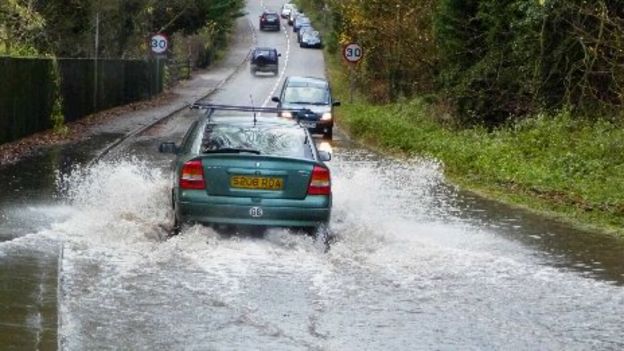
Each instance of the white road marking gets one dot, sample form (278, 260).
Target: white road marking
(284, 66)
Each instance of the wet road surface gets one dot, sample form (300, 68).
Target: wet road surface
(417, 263)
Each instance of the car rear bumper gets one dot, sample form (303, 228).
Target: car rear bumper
(264, 68)
(315, 45)
(275, 27)
(311, 212)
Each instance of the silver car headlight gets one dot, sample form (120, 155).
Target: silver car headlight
(286, 114)
(327, 116)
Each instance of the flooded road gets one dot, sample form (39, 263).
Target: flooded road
(405, 273)
(417, 264)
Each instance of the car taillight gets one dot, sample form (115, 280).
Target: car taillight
(192, 175)
(320, 184)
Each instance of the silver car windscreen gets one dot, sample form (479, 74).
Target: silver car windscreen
(311, 35)
(306, 95)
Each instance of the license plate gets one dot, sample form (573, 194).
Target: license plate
(257, 183)
(308, 124)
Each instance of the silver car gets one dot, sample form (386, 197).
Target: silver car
(312, 95)
(311, 39)
(293, 14)
(301, 21)
(287, 9)
(304, 28)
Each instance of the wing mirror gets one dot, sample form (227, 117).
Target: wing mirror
(275, 99)
(168, 148)
(324, 155)
(336, 103)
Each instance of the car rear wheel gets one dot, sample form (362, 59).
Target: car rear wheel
(322, 237)
(320, 233)
(177, 227)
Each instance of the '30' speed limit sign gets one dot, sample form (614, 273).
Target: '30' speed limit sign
(353, 52)
(159, 43)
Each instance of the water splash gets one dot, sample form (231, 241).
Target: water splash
(402, 259)
(123, 202)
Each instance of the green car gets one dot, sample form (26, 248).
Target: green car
(235, 167)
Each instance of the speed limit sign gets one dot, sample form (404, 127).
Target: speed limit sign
(159, 43)
(352, 52)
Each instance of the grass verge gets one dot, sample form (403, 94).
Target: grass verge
(567, 168)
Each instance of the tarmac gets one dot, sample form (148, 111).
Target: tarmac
(28, 281)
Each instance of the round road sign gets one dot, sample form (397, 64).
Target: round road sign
(352, 52)
(159, 43)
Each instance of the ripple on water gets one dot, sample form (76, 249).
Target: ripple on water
(404, 271)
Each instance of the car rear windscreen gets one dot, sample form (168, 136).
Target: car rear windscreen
(271, 140)
(264, 53)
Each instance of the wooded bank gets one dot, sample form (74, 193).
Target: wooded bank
(486, 62)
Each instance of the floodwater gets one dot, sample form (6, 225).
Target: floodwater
(417, 264)
(30, 203)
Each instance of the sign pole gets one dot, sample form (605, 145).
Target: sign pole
(351, 82)
(157, 74)
(159, 43)
(95, 61)
(352, 53)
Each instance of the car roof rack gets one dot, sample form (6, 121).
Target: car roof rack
(241, 108)
(245, 108)
(211, 108)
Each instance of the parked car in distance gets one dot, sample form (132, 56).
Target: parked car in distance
(264, 59)
(311, 39)
(236, 168)
(287, 8)
(309, 93)
(304, 28)
(293, 14)
(270, 20)
(301, 21)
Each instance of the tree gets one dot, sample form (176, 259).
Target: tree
(509, 58)
(20, 24)
(124, 25)
(397, 37)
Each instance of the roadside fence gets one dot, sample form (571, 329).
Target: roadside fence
(30, 87)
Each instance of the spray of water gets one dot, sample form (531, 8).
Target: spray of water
(120, 202)
(399, 253)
